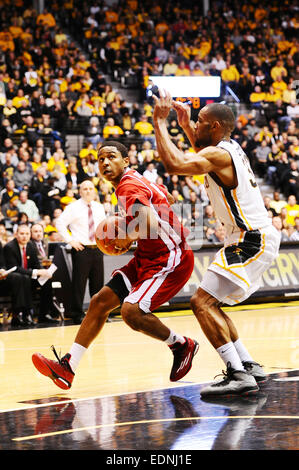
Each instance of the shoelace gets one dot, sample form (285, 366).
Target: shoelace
(226, 374)
(56, 355)
(62, 361)
(248, 365)
(227, 377)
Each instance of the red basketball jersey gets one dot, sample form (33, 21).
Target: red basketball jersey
(134, 189)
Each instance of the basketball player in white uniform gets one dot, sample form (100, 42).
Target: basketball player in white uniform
(251, 244)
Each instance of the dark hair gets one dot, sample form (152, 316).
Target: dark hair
(120, 147)
(223, 114)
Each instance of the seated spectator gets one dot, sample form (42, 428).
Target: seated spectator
(67, 198)
(257, 97)
(5, 236)
(267, 203)
(277, 203)
(22, 176)
(291, 180)
(93, 132)
(146, 151)
(295, 235)
(218, 236)
(88, 151)
(253, 129)
(17, 286)
(22, 253)
(59, 177)
(182, 70)
(28, 206)
(145, 129)
(74, 177)
(292, 210)
(209, 219)
(196, 186)
(277, 223)
(218, 62)
(293, 110)
(279, 85)
(272, 164)
(170, 67)
(175, 184)
(8, 192)
(11, 212)
(58, 158)
(289, 95)
(111, 130)
(272, 95)
(22, 219)
(262, 153)
(230, 76)
(278, 70)
(151, 172)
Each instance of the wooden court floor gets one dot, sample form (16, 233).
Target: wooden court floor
(122, 399)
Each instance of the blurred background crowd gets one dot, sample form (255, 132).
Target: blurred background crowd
(78, 72)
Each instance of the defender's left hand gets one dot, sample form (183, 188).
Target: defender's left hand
(163, 105)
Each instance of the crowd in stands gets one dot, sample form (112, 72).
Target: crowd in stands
(56, 70)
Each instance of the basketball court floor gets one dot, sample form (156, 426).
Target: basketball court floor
(122, 399)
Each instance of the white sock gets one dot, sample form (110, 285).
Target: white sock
(174, 338)
(242, 351)
(228, 353)
(76, 353)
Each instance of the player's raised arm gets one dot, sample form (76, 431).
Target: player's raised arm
(210, 158)
(183, 111)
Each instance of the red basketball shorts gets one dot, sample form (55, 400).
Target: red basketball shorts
(151, 283)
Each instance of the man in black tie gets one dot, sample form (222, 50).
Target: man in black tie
(81, 218)
(22, 253)
(16, 285)
(37, 236)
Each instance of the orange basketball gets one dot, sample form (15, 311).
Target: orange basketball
(108, 231)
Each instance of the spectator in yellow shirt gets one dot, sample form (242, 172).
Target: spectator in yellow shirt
(230, 74)
(257, 96)
(18, 100)
(289, 94)
(145, 129)
(112, 130)
(272, 95)
(292, 210)
(278, 70)
(170, 67)
(57, 159)
(88, 150)
(46, 18)
(279, 85)
(182, 70)
(15, 29)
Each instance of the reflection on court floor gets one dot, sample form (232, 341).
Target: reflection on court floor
(174, 419)
(122, 399)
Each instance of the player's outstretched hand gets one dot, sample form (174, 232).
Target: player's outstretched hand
(183, 111)
(163, 105)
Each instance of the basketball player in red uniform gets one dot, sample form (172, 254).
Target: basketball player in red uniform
(161, 266)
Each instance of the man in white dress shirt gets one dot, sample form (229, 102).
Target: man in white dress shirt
(81, 218)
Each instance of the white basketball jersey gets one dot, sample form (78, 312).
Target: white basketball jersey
(240, 208)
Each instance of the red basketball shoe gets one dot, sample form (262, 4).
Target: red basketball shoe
(59, 371)
(183, 356)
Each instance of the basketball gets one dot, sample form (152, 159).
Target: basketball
(108, 231)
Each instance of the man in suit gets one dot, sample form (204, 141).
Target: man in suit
(16, 285)
(41, 244)
(21, 252)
